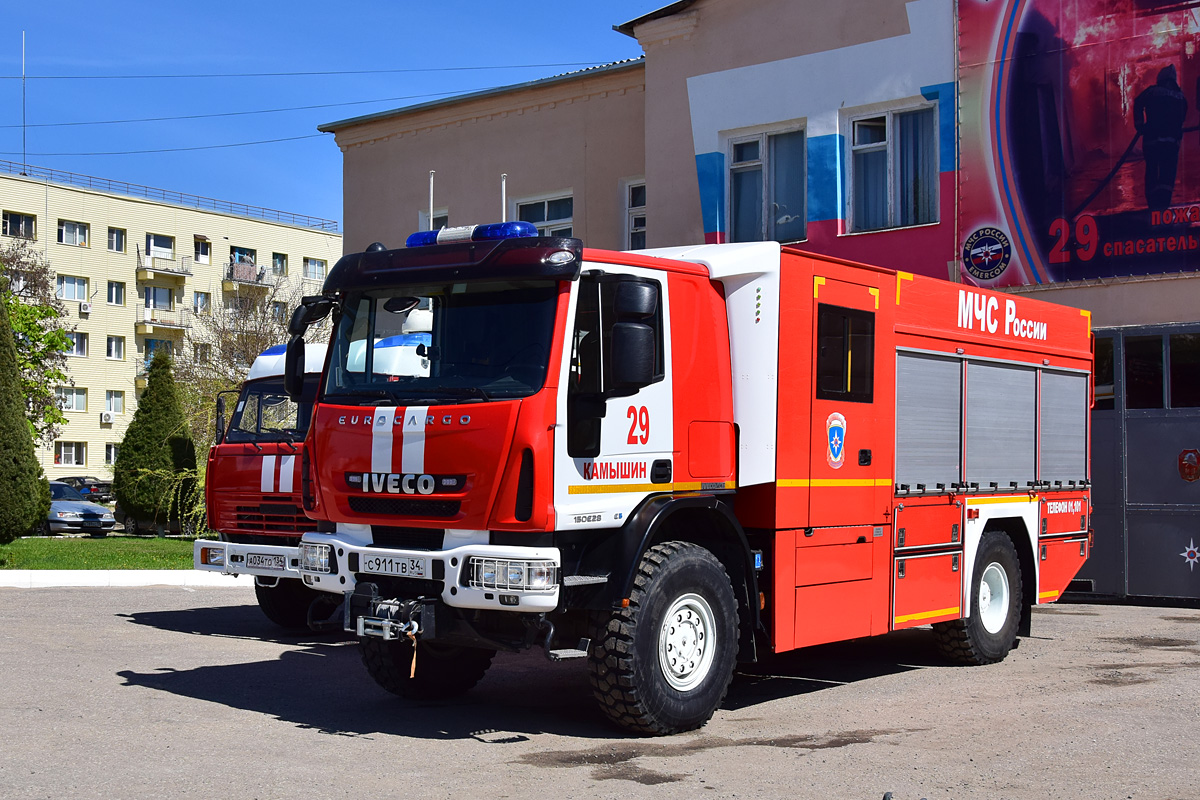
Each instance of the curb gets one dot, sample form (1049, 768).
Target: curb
(47, 578)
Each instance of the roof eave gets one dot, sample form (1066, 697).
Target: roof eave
(666, 11)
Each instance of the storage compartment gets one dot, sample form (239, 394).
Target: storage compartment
(1058, 562)
(833, 563)
(1065, 513)
(833, 612)
(926, 526)
(927, 589)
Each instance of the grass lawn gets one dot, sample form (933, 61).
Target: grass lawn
(54, 552)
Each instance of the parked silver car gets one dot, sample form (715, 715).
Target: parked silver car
(70, 513)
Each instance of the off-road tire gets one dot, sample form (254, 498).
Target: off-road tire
(443, 671)
(968, 641)
(629, 657)
(286, 603)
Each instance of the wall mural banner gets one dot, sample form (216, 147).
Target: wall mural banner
(1080, 139)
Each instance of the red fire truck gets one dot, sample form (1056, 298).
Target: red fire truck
(671, 461)
(252, 490)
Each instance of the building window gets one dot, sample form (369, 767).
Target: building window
(202, 353)
(441, 219)
(78, 345)
(110, 453)
(159, 246)
(72, 288)
(552, 216)
(114, 401)
(75, 233)
(72, 454)
(314, 269)
(116, 293)
(279, 312)
(116, 240)
(894, 169)
(279, 264)
(23, 225)
(154, 345)
(71, 398)
(201, 302)
(768, 176)
(158, 297)
(116, 348)
(203, 249)
(635, 212)
(242, 255)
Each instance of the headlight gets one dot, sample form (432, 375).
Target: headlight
(515, 573)
(67, 514)
(107, 517)
(213, 556)
(314, 557)
(512, 574)
(541, 575)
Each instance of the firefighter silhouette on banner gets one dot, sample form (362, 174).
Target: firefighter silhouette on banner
(1158, 114)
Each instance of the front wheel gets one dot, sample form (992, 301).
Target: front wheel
(443, 671)
(663, 664)
(987, 635)
(286, 603)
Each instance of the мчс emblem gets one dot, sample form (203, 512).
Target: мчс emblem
(986, 253)
(1189, 465)
(835, 434)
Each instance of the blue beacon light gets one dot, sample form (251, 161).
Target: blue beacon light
(472, 233)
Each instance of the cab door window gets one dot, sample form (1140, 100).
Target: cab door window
(845, 354)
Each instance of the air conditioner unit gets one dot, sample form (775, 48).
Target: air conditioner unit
(106, 417)
(85, 307)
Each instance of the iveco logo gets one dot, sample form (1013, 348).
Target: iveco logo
(430, 420)
(404, 483)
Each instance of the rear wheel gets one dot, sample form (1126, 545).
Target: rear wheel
(443, 671)
(663, 664)
(286, 603)
(987, 635)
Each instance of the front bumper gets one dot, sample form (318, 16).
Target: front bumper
(452, 568)
(228, 558)
(81, 526)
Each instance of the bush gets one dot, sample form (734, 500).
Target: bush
(24, 491)
(154, 477)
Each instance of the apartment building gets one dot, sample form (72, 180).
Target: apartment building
(135, 266)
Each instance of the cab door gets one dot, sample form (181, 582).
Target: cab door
(614, 434)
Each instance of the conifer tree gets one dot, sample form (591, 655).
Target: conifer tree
(155, 468)
(24, 491)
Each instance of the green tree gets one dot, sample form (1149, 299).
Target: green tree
(154, 477)
(25, 491)
(28, 289)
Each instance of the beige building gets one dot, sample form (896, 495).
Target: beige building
(135, 265)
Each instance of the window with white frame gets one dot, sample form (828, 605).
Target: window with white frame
(110, 453)
(155, 345)
(441, 219)
(314, 269)
(72, 398)
(893, 169)
(160, 246)
(552, 216)
(116, 293)
(159, 297)
(768, 187)
(116, 348)
(279, 264)
(114, 401)
(72, 288)
(635, 216)
(116, 240)
(78, 344)
(72, 454)
(22, 225)
(201, 302)
(75, 233)
(202, 250)
(242, 255)
(279, 312)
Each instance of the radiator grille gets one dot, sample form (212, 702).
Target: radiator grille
(406, 507)
(406, 538)
(272, 516)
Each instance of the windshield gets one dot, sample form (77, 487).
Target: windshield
(60, 491)
(460, 342)
(265, 413)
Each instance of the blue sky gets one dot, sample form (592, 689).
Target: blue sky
(71, 38)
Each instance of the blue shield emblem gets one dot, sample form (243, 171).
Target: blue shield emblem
(835, 432)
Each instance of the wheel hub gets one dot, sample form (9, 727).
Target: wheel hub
(993, 597)
(685, 643)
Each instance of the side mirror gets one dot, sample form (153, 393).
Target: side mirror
(311, 309)
(220, 432)
(635, 300)
(293, 368)
(633, 356)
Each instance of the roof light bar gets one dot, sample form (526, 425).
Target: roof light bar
(472, 233)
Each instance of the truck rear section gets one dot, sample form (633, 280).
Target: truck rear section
(663, 463)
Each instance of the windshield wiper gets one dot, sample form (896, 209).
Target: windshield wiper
(452, 391)
(359, 397)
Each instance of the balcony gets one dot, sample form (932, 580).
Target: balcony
(244, 275)
(155, 266)
(162, 320)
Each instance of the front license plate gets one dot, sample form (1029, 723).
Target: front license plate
(387, 565)
(264, 561)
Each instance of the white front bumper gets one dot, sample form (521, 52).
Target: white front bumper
(266, 560)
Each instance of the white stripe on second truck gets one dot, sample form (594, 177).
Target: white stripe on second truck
(284, 481)
(411, 421)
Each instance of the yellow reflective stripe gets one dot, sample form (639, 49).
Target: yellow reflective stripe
(901, 276)
(624, 488)
(988, 501)
(1048, 595)
(1087, 314)
(874, 293)
(829, 483)
(941, 612)
(818, 282)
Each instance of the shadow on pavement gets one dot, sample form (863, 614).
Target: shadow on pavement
(245, 621)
